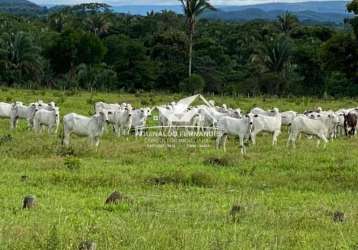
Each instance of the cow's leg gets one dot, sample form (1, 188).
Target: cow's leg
(276, 133)
(66, 138)
(253, 137)
(96, 141)
(14, 122)
(292, 139)
(218, 141)
(323, 138)
(224, 142)
(242, 145)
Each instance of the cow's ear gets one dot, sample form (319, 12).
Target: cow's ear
(329, 116)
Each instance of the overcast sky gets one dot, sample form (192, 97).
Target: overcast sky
(158, 2)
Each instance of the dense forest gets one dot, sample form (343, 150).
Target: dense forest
(88, 47)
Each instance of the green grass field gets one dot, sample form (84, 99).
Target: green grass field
(287, 197)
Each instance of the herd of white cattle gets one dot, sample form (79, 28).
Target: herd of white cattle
(226, 121)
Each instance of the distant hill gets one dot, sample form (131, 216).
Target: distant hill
(312, 12)
(256, 13)
(22, 7)
(309, 12)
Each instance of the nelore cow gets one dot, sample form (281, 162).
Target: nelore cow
(20, 111)
(319, 127)
(49, 118)
(233, 126)
(264, 123)
(139, 119)
(92, 127)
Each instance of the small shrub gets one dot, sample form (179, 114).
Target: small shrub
(144, 102)
(176, 178)
(202, 179)
(114, 198)
(5, 139)
(8, 99)
(338, 216)
(87, 245)
(72, 163)
(66, 151)
(217, 161)
(194, 84)
(235, 210)
(29, 202)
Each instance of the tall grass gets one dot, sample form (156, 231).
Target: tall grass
(180, 198)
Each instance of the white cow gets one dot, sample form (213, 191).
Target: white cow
(198, 122)
(92, 127)
(99, 106)
(5, 109)
(48, 118)
(139, 119)
(209, 120)
(18, 110)
(233, 126)
(122, 121)
(47, 106)
(287, 117)
(263, 123)
(315, 127)
(260, 111)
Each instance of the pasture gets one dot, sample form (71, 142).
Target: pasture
(175, 198)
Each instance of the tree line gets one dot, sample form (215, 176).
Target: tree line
(88, 47)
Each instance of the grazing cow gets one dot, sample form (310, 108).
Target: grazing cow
(48, 118)
(233, 126)
(350, 123)
(5, 109)
(263, 123)
(316, 127)
(18, 110)
(139, 119)
(92, 127)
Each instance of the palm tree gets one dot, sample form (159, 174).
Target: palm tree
(20, 56)
(57, 21)
(287, 21)
(273, 56)
(97, 24)
(192, 9)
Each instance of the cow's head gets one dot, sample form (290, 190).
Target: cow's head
(104, 115)
(249, 117)
(275, 111)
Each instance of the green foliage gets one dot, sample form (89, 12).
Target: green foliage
(87, 47)
(192, 85)
(72, 163)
